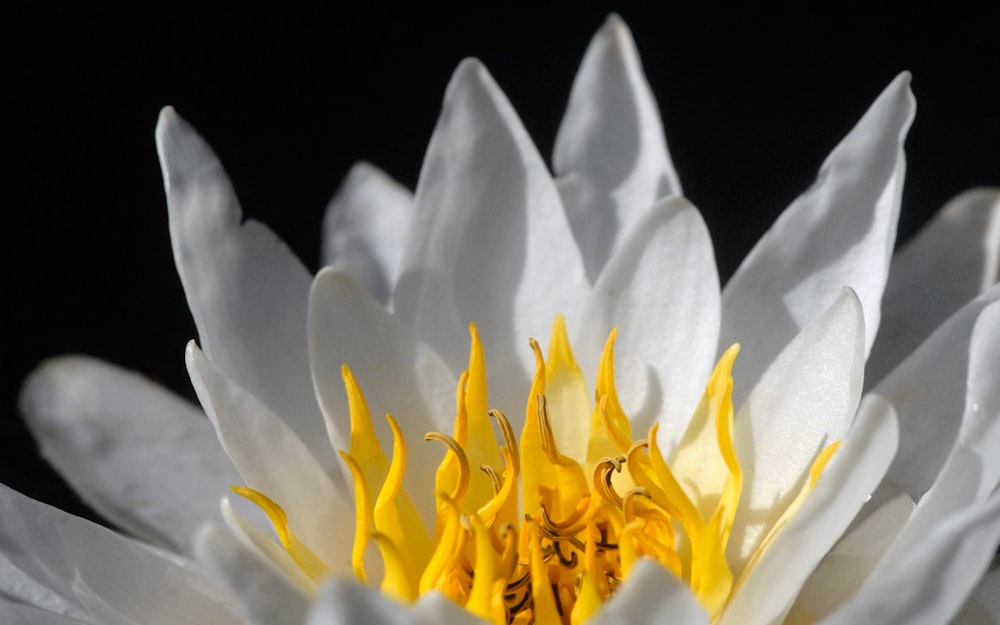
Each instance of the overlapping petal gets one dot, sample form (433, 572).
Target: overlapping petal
(247, 292)
(838, 233)
(490, 238)
(250, 431)
(661, 372)
(954, 259)
(263, 595)
(490, 241)
(144, 458)
(804, 401)
(366, 227)
(98, 575)
(610, 150)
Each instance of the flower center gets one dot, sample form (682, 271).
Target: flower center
(592, 499)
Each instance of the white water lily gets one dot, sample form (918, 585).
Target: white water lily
(764, 493)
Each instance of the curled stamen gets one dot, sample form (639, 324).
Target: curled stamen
(513, 610)
(494, 477)
(463, 462)
(603, 472)
(509, 440)
(570, 523)
(569, 563)
(548, 438)
(525, 578)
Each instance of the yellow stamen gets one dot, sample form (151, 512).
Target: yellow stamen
(575, 539)
(362, 520)
(308, 561)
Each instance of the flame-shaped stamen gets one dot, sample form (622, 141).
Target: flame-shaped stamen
(308, 561)
(576, 539)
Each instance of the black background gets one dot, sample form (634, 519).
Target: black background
(752, 102)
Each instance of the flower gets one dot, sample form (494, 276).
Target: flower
(487, 241)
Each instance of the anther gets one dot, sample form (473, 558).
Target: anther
(509, 440)
(603, 472)
(463, 462)
(494, 477)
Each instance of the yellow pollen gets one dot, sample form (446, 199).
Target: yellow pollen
(533, 540)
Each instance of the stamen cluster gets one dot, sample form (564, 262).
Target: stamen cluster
(583, 519)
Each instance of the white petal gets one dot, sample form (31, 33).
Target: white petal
(273, 460)
(929, 583)
(611, 141)
(805, 401)
(21, 589)
(110, 577)
(650, 596)
(845, 568)
(983, 608)
(663, 278)
(349, 603)
(955, 258)
(928, 391)
(434, 608)
(770, 587)
(141, 456)
(972, 469)
(247, 292)
(397, 374)
(491, 244)
(21, 614)
(366, 227)
(264, 596)
(838, 233)
(265, 548)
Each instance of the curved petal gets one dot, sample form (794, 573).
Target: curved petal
(972, 469)
(838, 233)
(928, 584)
(108, 577)
(928, 391)
(983, 608)
(347, 603)
(768, 589)
(262, 594)
(366, 228)
(843, 571)
(805, 401)
(651, 595)
(141, 456)
(23, 614)
(611, 141)
(17, 588)
(954, 259)
(490, 241)
(246, 290)
(274, 461)
(397, 374)
(663, 278)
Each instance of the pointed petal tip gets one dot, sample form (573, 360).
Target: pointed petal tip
(470, 67)
(168, 123)
(191, 351)
(182, 151)
(900, 93)
(166, 113)
(471, 75)
(615, 29)
(38, 384)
